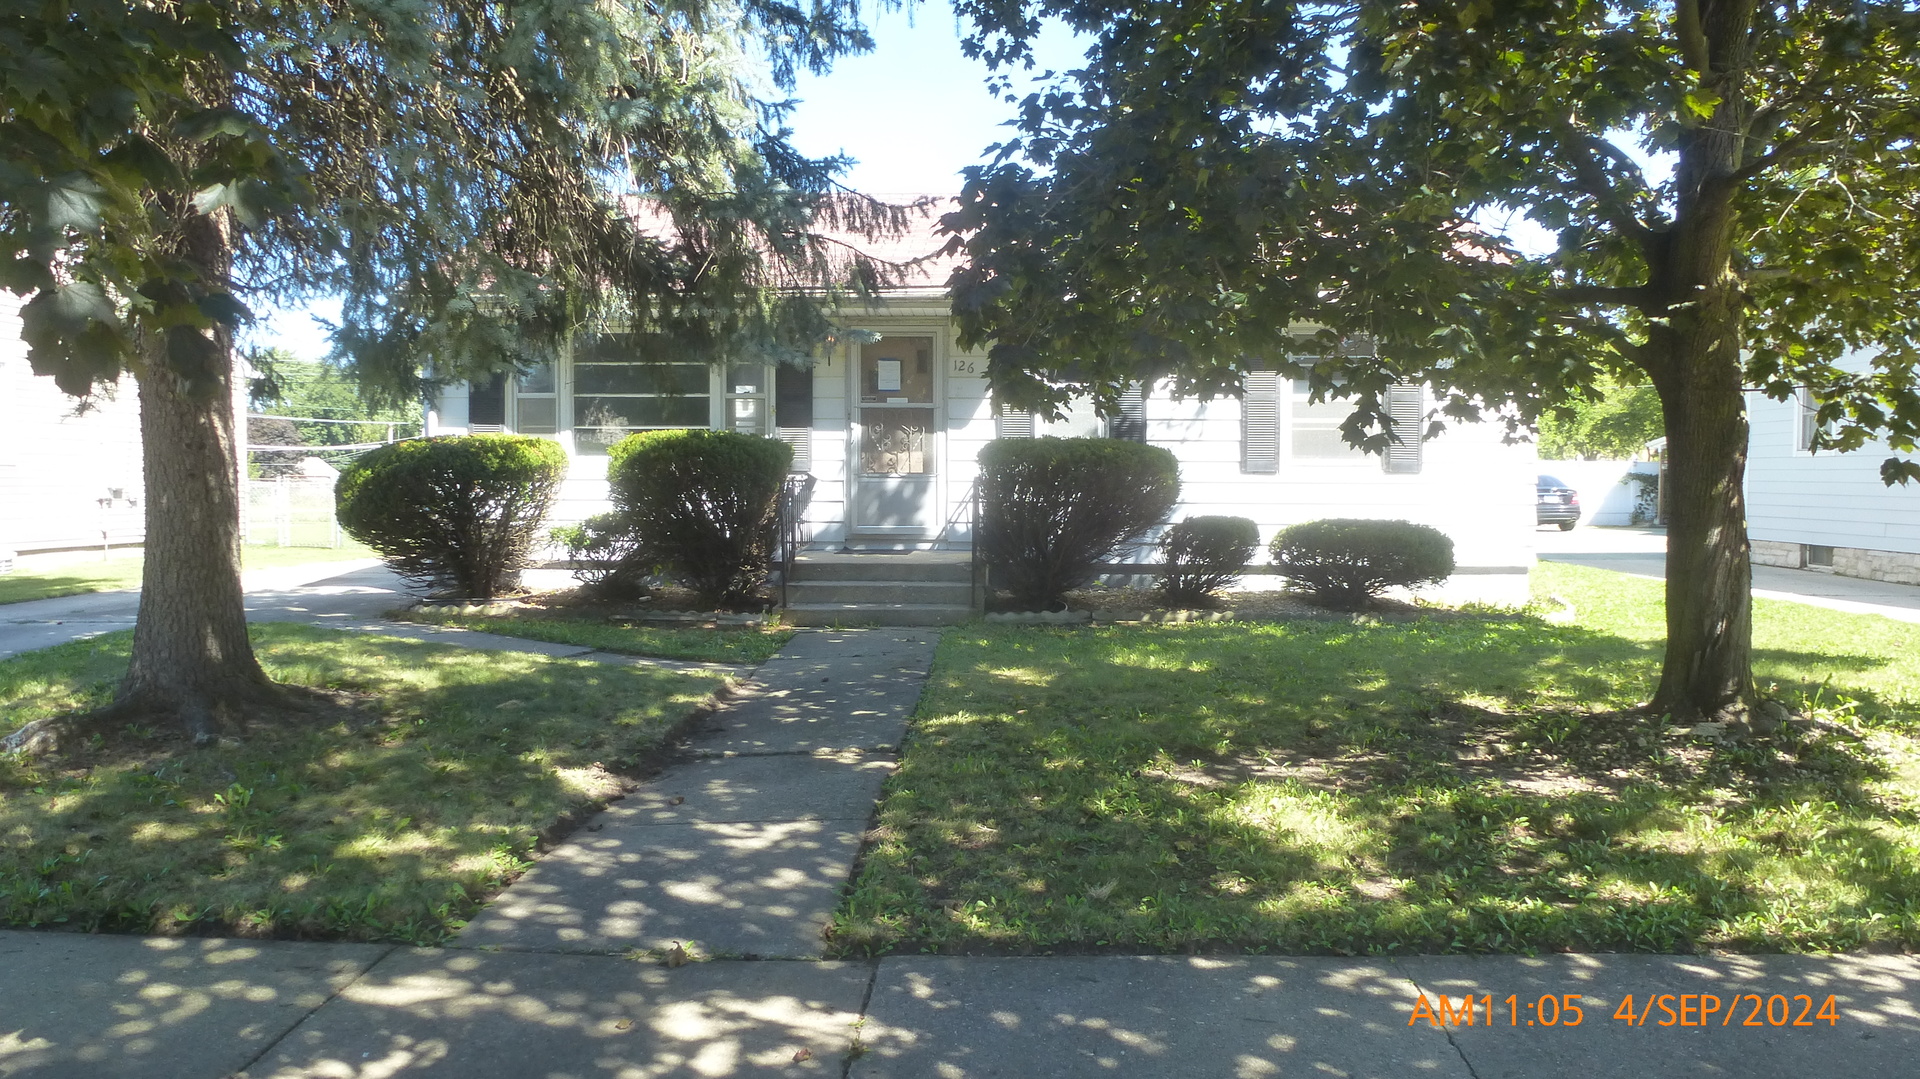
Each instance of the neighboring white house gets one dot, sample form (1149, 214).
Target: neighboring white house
(68, 478)
(1825, 509)
(890, 421)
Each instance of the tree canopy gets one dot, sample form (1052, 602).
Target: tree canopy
(475, 179)
(1222, 173)
(1615, 424)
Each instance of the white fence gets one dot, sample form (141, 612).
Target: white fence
(1606, 496)
(291, 511)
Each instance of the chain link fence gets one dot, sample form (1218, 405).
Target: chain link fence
(291, 511)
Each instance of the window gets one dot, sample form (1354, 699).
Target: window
(1807, 420)
(536, 407)
(747, 398)
(487, 406)
(625, 382)
(1315, 427)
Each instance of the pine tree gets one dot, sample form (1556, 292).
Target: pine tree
(475, 177)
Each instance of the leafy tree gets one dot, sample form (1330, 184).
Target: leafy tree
(474, 177)
(1616, 423)
(1221, 173)
(324, 391)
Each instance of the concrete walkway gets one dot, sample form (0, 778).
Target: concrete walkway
(1643, 552)
(742, 848)
(106, 1007)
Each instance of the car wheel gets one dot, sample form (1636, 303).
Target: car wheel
(1567, 526)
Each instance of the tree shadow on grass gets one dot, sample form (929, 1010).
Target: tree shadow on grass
(394, 829)
(1428, 787)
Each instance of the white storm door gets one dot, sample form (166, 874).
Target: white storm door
(895, 439)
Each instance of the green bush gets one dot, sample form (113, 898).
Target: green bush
(1053, 508)
(607, 555)
(1202, 555)
(704, 504)
(1344, 563)
(457, 513)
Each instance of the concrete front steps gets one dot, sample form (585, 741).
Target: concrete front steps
(881, 588)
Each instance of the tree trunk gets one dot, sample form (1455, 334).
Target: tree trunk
(1708, 670)
(1693, 353)
(192, 661)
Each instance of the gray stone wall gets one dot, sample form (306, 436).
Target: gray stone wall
(1775, 553)
(1897, 567)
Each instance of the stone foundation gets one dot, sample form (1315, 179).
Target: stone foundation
(1895, 567)
(1898, 567)
(1775, 553)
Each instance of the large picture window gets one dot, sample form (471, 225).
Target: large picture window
(1315, 434)
(625, 382)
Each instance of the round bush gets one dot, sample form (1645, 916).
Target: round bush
(1053, 508)
(606, 556)
(1203, 555)
(459, 513)
(704, 503)
(1344, 563)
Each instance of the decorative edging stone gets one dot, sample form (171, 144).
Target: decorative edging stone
(1039, 617)
(502, 607)
(1115, 618)
(1130, 618)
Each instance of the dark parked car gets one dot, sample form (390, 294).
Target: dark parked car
(1555, 503)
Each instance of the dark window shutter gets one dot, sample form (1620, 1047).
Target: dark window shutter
(487, 405)
(1131, 423)
(1260, 423)
(1013, 424)
(1407, 407)
(793, 412)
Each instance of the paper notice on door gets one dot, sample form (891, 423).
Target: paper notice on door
(887, 372)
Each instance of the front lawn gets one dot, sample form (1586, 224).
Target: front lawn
(1359, 787)
(729, 644)
(394, 829)
(124, 568)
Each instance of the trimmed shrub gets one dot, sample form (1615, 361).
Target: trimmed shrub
(704, 503)
(1344, 563)
(1053, 508)
(606, 555)
(460, 513)
(1204, 555)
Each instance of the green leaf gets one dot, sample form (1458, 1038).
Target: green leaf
(1701, 102)
(75, 201)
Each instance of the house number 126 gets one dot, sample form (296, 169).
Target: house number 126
(965, 367)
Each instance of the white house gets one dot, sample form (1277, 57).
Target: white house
(1824, 509)
(69, 477)
(890, 420)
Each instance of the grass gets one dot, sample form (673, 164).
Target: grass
(391, 830)
(742, 644)
(1465, 784)
(123, 571)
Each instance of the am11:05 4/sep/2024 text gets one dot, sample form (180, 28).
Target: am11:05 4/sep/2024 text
(1654, 1009)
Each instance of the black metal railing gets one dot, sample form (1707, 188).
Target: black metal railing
(977, 567)
(794, 496)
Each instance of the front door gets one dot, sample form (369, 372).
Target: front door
(895, 443)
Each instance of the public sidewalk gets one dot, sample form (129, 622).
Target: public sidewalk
(1643, 552)
(105, 1007)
